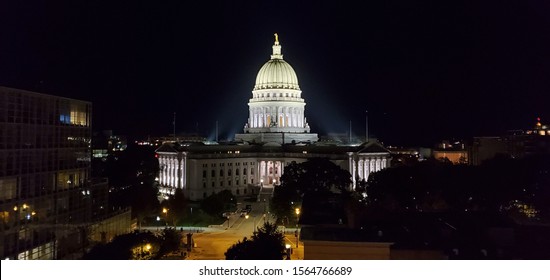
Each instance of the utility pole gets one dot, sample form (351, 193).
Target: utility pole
(174, 127)
(350, 131)
(366, 126)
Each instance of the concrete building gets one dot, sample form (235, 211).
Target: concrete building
(47, 196)
(515, 143)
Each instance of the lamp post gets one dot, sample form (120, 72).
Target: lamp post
(158, 220)
(253, 223)
(297, 210)
(288, 250)
(165, 211)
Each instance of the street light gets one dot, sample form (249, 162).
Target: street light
(288, 250)
(253, 223)
(297, 210)
(165, 211)
(158, 220)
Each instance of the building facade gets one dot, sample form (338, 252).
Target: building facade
(276, 109)
(515, 144)
(276, 134)
(47, 196)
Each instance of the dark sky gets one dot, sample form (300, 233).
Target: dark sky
(425, 70)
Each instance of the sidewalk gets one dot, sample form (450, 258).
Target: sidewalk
(297, 248)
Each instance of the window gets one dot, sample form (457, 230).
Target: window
(204, 173)
(244, 191)
(213, 173)
(221, 183)
(229, 172)
(244, 181)
(244, 171)
(251, 171)
(229, 182)
(237, 191)
(237, 182)
(252, 181)
(204, 184)
(221, 172)
(203, 195)
(212, 184)
(237, 172)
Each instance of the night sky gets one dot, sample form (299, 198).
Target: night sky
(425, 70)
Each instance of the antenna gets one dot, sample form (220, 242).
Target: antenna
(366, 126)
(350, 131)
(216, 131)
(174, 126)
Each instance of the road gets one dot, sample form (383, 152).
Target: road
(213, 243)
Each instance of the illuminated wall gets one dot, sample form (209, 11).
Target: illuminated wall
(45, 158)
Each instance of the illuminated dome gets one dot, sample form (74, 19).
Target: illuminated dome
(276, 73)
(276, 109)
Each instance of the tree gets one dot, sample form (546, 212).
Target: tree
(281, 204)
(171, 241)
(316, 175)
(137, 245)
(177, 205)
(123, 247)
(267, 243)
(215, 204)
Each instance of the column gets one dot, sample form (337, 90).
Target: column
(258, 172)
(372, 169)
(351, 164)
(266, 179)
(184, 172)
(174, 169)
(360, 169)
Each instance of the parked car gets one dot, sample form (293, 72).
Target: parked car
(244, 212)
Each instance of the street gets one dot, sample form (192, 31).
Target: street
(213, 243)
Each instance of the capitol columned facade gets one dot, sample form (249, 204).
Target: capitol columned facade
(276, 134)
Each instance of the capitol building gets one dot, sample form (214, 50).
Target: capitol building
(276, 134)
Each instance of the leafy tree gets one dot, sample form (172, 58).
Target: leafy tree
(133, 246)
(171, 241)
(215, 204)
(434, 186)
(121, 247)
(316, 175)
(267, 243)
(280, 204)
(177, 205)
